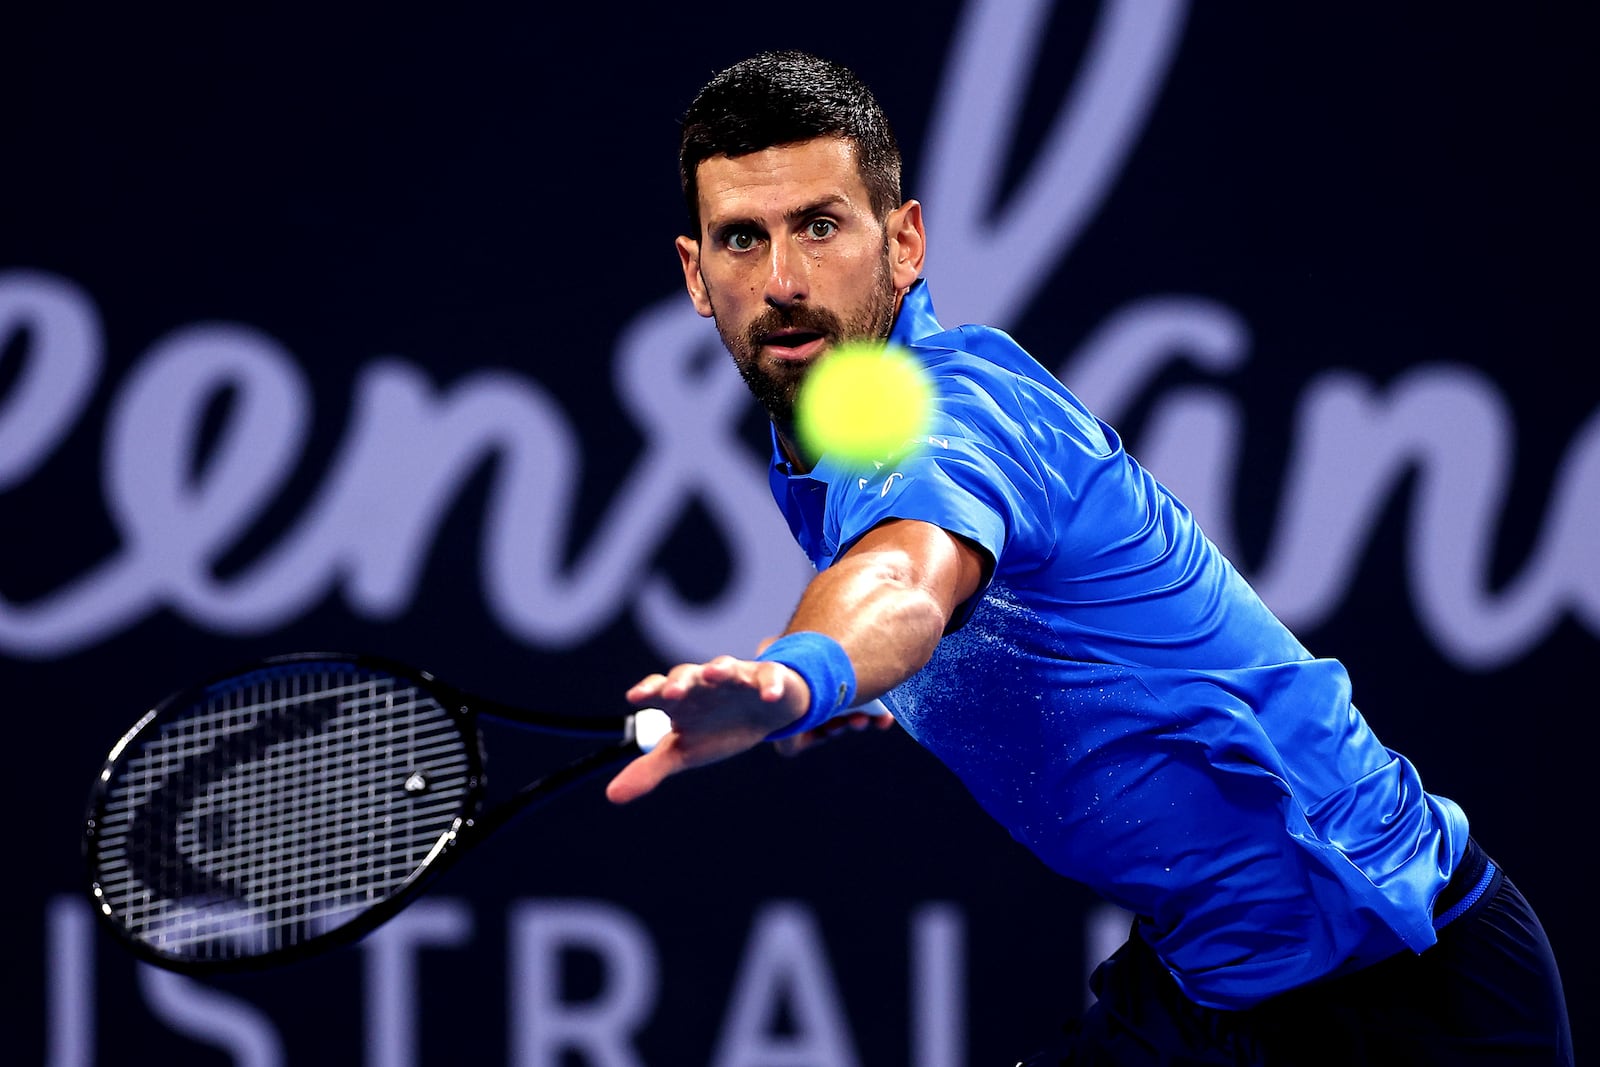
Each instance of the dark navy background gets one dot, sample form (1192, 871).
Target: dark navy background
(1372, 188)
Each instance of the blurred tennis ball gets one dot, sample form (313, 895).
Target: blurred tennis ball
(863, 402)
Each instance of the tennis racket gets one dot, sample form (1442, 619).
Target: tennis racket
(299, 803)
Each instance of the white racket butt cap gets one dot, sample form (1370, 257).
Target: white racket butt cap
(650, 725)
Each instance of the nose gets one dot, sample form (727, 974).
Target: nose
(786, 281)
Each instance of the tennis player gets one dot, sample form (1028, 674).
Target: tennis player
(1041, 614)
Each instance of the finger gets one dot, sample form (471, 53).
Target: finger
(722, 669)
(680, 680)
(642, 775)
(772, 680)
(645, 689)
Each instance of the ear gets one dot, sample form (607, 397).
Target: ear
(689, 254)
(908, 243)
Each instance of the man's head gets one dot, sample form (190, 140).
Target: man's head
(779, 98)
(800, 240)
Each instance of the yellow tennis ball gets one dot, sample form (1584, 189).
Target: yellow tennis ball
(863, 402)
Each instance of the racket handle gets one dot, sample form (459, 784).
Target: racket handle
(650, 725)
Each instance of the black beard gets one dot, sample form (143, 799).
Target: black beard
(774, 390)
(775, 387)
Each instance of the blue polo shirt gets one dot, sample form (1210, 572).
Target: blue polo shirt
(1119, 698)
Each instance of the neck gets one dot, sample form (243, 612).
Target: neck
(791, 449)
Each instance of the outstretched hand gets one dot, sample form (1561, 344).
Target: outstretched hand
(718, 709)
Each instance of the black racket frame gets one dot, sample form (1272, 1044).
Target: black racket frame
(475, 823)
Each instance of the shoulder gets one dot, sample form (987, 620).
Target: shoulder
(994, 391)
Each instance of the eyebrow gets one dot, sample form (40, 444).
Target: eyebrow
(817, 206)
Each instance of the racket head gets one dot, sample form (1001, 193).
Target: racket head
(280, 810)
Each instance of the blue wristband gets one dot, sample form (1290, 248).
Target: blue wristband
(827, 671)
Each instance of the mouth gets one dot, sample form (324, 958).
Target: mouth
(793, 345)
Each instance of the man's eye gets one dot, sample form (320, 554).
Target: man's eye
(820, 228)
(739, 240)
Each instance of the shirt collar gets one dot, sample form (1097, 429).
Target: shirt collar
(916, 318)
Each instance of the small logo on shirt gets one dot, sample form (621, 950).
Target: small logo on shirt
(862, 483)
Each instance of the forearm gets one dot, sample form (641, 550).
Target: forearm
(886, 623)
(889, 599)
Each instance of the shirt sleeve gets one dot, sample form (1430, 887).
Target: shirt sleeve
(986, 495)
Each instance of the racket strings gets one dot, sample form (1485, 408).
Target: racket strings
(271, 811)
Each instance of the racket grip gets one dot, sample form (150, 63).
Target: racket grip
(650, 725)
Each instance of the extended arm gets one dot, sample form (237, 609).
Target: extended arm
(887, 602)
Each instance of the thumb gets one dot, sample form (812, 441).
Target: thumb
(642, 775)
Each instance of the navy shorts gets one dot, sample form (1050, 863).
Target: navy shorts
(1487, 992)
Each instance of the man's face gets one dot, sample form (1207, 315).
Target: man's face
(790, 260)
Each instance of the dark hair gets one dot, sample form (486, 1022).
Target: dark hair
(780, 98)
